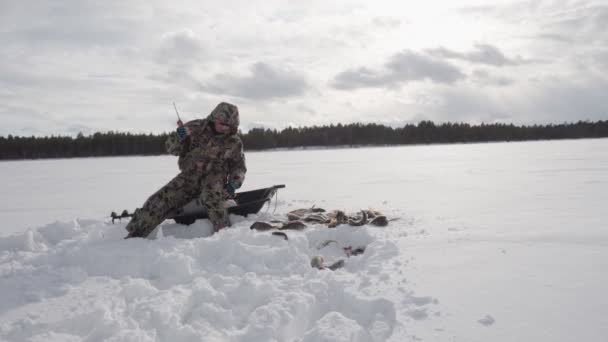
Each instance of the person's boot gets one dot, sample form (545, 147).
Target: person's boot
(141, 224)
(131, 227)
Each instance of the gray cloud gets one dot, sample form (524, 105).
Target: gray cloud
(401, 68)
(265, 82)
(482, 54)
(179, 55)
(68, 24)
(583, 22)
(24, 79)
(554, 37)
(572, 101)
(549, 101)
(465, 105)
(181, 46)
(485, 78)
(14, 112)
(108, 64)
(579, 22)
(22, 120)
(600, 58)
(67, 36)
(306, 109)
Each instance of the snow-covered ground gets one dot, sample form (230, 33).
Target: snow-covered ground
(493, 242)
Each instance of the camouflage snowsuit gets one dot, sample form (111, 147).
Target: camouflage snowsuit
(207, 161)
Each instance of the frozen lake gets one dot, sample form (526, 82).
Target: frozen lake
(548, 185)
(493, 242)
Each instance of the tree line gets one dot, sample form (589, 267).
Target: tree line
(357, 134)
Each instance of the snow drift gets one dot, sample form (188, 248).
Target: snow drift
(80, 280)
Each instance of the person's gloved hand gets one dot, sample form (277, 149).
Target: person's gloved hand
(230, 189)
(181, 133)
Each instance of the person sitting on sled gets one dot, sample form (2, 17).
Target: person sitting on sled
(212, 166)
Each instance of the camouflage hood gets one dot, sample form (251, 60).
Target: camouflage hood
(226, 113)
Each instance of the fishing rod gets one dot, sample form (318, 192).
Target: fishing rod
(179, 120)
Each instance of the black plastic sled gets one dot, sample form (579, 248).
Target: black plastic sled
(247, 202)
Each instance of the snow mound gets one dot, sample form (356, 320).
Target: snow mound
(80, 280)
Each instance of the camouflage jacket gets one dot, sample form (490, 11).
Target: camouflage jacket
(215, 152)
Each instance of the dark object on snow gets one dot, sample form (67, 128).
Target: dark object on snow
(359, 220)
(299, 214)
(122, 215)
(247, 202)
(326, 243)
(336, 265)
(281, 234)
(262, 226)
(294, 225)
(335, 218)
(379, 221)
(350, 251)
(318, 263)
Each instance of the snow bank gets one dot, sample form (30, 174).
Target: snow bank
(79, 280)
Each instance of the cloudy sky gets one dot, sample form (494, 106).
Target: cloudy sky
(79, 65)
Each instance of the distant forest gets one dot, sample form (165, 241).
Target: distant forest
(425, 132)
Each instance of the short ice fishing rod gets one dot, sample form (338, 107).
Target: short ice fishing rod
(182, 131)
(180, 123)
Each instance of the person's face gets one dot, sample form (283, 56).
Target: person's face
(221, 127)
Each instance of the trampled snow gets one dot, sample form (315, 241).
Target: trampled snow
(491, 242)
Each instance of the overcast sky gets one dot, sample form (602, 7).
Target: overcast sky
(70, 66)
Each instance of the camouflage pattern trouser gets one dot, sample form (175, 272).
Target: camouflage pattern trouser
(177, 193)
